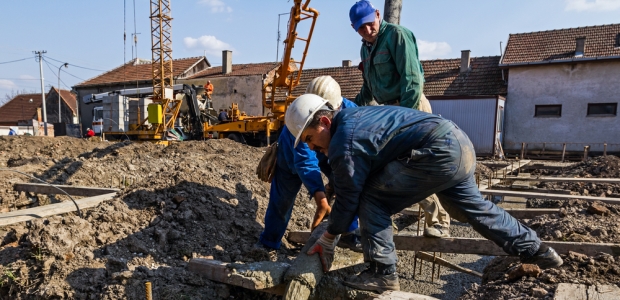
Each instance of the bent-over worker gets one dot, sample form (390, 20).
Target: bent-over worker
(393, 75)
(297, 164)
(387, 158)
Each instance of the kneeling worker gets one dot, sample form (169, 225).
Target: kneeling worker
(387, 158)
(297, 164)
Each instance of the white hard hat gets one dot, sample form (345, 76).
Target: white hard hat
(300, 113)
(326, 87)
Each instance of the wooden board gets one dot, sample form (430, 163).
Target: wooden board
(571, 291)
(52, 209)
(475, 246)
(519, 213)
(549, 196)
(41, 188)
(400, 295)
(565, 179)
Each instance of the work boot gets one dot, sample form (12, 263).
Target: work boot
(437, 231)
(373, 281)
(545, 258)
(351, 241)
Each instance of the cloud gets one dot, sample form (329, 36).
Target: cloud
(592, 5)
(217, 6)
(7, 84)
(211, 44)
(433, 50)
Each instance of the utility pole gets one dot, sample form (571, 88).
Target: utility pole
(391, 11)
(39, 54)
(66, 65)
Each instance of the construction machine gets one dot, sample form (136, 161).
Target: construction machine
(263, 129)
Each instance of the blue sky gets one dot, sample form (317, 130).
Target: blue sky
(89, 33)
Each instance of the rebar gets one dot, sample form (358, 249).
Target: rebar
(148, 291)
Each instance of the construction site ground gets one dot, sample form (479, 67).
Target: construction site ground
(202, 199)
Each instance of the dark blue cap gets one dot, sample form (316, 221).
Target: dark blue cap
(361, 12)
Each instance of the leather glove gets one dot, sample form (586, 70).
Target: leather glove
(324, 246)
(267, 166)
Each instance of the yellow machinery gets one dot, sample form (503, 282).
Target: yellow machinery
(283, 83)
(164, 110)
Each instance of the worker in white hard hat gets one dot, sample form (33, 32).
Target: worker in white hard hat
(387, 158)
(297, 165)
(393, 75)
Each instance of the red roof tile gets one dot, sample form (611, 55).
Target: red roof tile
(559, 45)
(20, 108)
(68, 98)
(140, 72)
(443, 77)
(237, 70)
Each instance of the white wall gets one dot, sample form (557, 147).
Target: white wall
(571, 85)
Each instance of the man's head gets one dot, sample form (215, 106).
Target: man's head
(208, 81)
(308, 119)
(327, 88)
(366, 20)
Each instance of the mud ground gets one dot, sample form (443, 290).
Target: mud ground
(191, 199)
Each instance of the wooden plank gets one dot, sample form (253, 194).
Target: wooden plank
(528, 188)
(565, 179)
(571, 291)
(400, 295)
(549, 196)
(52, 209)
(475, 246)
(41, 188)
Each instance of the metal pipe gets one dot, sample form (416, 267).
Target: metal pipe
(66, 65)
(563, 151)
(39, 54)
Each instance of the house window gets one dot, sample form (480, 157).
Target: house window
(602, 109)
(548, 110)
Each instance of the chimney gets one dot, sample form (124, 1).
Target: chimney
(226, 61)
(580, 47)
(346, 63)
(465, 60)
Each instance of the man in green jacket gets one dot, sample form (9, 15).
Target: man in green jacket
(393, 75)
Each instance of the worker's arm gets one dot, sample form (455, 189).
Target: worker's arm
(350, 173)
(365, 96)
(322, 209)
(307, 167)
(404, 51)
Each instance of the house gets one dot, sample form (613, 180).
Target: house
(236, 83)
(135, 74)
(21, 110)
(469, 91)
(564, 87)
(68, 106)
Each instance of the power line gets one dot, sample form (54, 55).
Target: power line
(48, 65)
(62, 62)
(8, 62)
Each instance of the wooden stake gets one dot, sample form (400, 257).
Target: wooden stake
(605, 149)
(563, 151)
(585, 152)
(522, 150)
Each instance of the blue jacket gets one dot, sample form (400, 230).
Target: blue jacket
(303, 161)
(364, 140)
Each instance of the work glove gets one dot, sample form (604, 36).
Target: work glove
(267, 166)
(324, 246)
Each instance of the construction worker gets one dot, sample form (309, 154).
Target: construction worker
(222, 116)
(208, 89)
(393, 75)
(387, 158)
(296, 165)
(89, 133)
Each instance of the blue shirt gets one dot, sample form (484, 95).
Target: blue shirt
(302, 161)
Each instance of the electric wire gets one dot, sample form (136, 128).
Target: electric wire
(62, 62)
(12, 61)
(53, 73)
(28, 175)
(64, 70)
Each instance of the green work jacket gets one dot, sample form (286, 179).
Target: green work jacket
(391, 68)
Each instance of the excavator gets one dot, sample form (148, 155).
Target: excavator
(277, 94)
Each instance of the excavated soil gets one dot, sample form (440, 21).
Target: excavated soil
(190, 199)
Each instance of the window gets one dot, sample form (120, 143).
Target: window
(602, 109)
(548, 111)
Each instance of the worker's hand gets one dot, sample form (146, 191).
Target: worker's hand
(322, 209)
(324, 246)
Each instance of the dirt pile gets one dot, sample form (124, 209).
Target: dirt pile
(578, 221)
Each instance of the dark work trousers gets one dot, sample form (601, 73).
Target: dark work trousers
(445, 166)
(284, 188)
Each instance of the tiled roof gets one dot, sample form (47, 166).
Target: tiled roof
(140, 72)
(443, 77)
(20, 108)
(559, 45)
(68, 98)
(237, 70)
